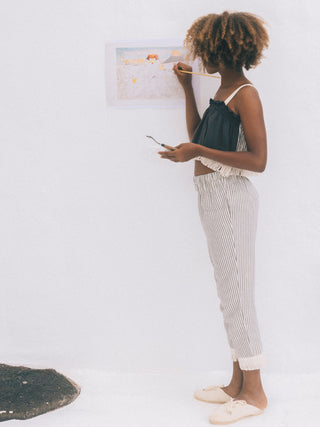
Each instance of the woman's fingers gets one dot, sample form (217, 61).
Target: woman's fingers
(183, 66)
(183, 78)
(164, 154)
(167, 155)
(168, 147)
(177, 68)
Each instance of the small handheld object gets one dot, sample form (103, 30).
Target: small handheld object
(198, 74)
(162, 145)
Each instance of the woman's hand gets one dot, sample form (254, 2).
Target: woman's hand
(184, 78)
(182, 152)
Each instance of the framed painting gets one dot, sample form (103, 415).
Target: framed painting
(140, 74)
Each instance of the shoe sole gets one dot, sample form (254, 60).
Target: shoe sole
(237, 419)
(210, 401)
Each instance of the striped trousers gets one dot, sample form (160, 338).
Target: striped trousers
(228, 208)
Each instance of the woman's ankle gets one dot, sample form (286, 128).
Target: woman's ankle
(232, 389)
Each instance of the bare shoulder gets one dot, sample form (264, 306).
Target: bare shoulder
(248, 101)
(248, 94)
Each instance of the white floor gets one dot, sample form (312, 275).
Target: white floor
(165, 400)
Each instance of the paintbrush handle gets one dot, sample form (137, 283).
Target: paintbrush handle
(168, 147)
(198, 74)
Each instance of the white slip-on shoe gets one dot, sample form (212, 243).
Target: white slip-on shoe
(232, 411)
(212, 394)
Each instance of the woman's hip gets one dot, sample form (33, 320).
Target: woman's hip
(216, 194)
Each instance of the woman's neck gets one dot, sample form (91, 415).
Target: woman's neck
(231, 77)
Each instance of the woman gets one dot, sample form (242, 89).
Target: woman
(229, 144)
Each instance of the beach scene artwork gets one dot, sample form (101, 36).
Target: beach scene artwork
(144, 75)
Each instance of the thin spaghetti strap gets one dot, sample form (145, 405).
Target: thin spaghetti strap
(235, 92)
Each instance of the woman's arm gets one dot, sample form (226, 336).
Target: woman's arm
(248, 105)
(192, 115)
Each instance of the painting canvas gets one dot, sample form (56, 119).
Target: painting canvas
(140, 73)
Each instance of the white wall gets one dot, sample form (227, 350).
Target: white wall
(103, 259)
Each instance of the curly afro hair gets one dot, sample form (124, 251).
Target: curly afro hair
(233, 39)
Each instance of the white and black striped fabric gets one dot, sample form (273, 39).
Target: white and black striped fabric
(228, 208)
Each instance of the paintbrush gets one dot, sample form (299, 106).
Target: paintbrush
(198, 74)
(162, 145)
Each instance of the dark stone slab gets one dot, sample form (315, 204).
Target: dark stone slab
(26, 392)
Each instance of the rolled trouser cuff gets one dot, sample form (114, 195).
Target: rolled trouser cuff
(251, 363)
(233, 354)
